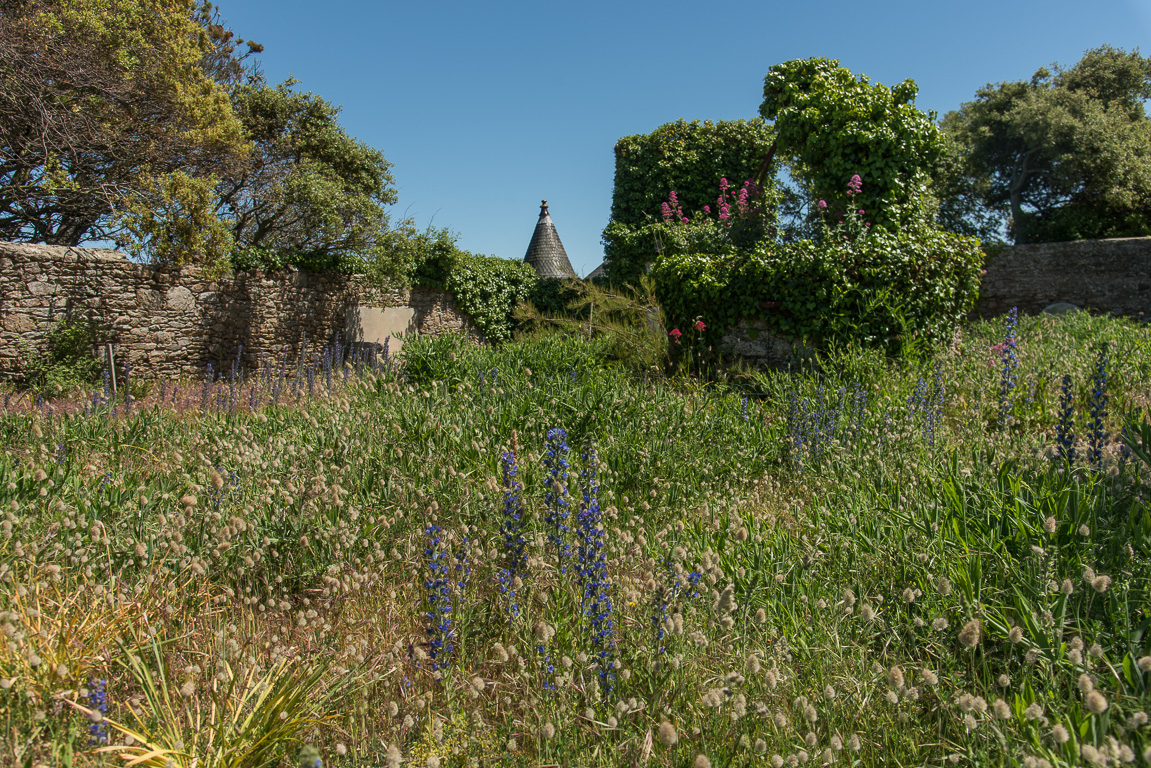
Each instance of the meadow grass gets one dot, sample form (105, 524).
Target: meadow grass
(526, 556)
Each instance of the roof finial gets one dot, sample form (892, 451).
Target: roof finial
(543, 208)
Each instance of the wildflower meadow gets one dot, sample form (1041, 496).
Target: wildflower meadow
(527, 555)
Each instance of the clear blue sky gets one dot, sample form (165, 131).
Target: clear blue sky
(484, 108)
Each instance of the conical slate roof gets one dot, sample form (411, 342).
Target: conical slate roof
(546, 254)
(597, 273)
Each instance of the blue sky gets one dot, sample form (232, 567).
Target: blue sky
(485, 108)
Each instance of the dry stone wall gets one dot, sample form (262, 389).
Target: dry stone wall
(170, 322)
(1112, 276)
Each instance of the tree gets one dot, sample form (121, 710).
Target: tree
(102, 103)
(308, 186)
(1065, 156)
(833, 125)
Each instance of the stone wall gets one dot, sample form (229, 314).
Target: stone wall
(1111, 276)
(171, 322)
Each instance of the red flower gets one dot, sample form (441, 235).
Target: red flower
(675, 334)
(699, 326)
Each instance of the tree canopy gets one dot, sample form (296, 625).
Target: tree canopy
(308, 186)
(1064, 156)
(99, 102)
(142, 123)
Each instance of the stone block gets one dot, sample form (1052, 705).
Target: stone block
(180, 299)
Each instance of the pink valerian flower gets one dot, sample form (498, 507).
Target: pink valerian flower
(666, 210)
(699, 326)
(723, 185)
(822, 205)
(855, 185)
(684, 219)
(675, 333)
(996, 353)
(742, 202)
(860, 211)
(707, 209)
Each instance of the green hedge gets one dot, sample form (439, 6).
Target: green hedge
(887, 290)
(687, 158)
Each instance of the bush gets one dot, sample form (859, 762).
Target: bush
(271, 260)
(883, 290)
(66, 362)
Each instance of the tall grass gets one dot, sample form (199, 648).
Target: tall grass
(864, 562)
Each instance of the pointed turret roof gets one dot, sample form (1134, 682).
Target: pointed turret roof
(546, 254)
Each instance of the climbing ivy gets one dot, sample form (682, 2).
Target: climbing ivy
(892, 291)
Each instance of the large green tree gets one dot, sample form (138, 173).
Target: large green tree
(1064, 156)
(308, 187)
(833, 125)
(102, 102)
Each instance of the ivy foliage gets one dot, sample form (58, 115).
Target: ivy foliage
(832, 124)
(687, 158)
(893, 291)
(690, 159)
(486, 288)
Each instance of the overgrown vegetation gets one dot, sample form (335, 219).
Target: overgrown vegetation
(65, 359)
(521, 555)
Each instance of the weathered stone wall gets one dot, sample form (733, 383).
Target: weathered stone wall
(751, 342)
(172, 322)
(1112, 276)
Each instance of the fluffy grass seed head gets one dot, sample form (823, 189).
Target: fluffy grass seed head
(969, 635)
(1101, 583)
(667, 735)
(701, 761)
(1096, 703)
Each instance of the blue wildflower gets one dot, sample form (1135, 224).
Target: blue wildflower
(593, 577)
(439, 597)
(1064, 430)
(1009, 362)
(556, 502)
(511, 528)
(98, 702)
